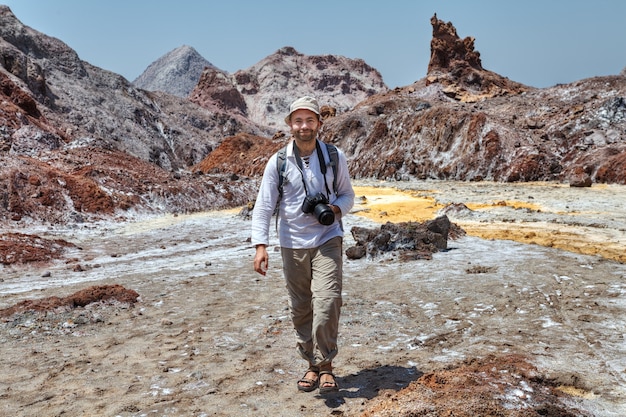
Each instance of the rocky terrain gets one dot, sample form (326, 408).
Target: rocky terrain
(465, 123)
(166, 317)
(85, 150)
(462, 122)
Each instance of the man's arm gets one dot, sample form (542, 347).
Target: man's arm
(345, 194)
(262, 214)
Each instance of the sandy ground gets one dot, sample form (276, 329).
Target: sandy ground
(526, 313)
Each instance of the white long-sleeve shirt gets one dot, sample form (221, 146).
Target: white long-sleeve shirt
(298, 230)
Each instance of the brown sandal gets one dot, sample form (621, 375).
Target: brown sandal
(312, 384)
(328, 386)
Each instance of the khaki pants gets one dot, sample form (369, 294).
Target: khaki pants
(313, 278)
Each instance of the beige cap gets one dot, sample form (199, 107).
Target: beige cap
(306, 102)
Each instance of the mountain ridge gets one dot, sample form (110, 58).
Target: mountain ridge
(70, 126)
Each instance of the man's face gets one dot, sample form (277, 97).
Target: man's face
(304, 125)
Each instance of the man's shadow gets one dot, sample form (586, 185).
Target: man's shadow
(368, 383)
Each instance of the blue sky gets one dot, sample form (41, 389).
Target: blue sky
(535, 42)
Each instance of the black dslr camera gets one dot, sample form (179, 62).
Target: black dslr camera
(318, 206)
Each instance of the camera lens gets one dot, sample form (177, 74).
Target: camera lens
(325, 215)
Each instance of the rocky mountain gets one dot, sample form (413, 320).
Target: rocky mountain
(463, 122)
(258, 93)
(79, 143)
(264, 91)
(176, 72)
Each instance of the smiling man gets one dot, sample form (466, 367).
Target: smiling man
(308, 184)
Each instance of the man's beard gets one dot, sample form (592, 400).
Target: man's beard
(305, 136)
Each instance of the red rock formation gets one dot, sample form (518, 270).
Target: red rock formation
(19, 109)
(20, 248)
(78, 299)
(455, 64)
(215, 87)
(70, 186)
(477, 387)
(18, 97)
(242, 155)
(448, 51)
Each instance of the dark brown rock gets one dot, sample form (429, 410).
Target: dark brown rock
(447, 50)
(327, 112)
(581, 179)
(411, 240)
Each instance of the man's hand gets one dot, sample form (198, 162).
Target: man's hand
(261, 259)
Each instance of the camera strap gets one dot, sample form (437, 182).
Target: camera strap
(320, 157)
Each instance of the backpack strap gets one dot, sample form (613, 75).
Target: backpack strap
(281, 163)
(334, 163)
(280, 167)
